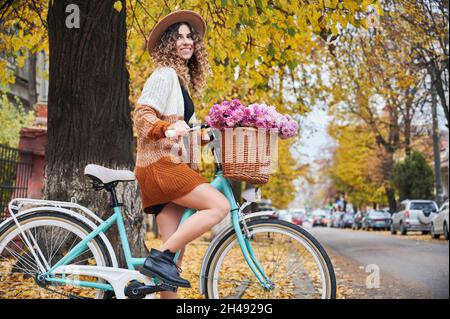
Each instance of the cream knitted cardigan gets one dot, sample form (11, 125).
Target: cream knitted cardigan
(160, 104)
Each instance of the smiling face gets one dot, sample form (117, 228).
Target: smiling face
(181, 47)
(185, 42)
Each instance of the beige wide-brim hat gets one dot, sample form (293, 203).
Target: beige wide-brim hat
(177, 16)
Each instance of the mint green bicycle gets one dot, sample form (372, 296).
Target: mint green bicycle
(51, 249)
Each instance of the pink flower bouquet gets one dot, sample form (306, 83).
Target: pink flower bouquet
(235, 114)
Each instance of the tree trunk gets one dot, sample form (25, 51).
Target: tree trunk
(439, 87)
(436, 150)
(390, 193)
(387, 167)
(32, 94)
(407, 129)
(89, 112)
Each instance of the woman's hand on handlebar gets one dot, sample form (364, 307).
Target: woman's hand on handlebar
(204, 137)
(179, 128)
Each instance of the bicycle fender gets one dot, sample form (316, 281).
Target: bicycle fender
(78, 216)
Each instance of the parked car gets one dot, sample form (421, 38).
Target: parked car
(346, 220)
(284, 214)
(334, 220)
(310, 218)
(297, 216)
(376, 219)
(357, 221)
(307, 217)
(414, 215)
(265, 206)
(439, 225)
(320, 218)
(326, 220)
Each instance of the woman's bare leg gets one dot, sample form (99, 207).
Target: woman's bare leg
(168, 220)
(211, 205)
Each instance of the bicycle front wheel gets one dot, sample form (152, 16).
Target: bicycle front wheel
(291, 257)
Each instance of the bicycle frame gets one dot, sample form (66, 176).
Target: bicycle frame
(220, 183)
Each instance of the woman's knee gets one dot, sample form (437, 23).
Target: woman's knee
(203, 197)
(222, 208)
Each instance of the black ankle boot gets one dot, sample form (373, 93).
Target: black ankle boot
(161, 264)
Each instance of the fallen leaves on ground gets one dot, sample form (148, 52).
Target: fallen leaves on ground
(192, 260)
(296, 277)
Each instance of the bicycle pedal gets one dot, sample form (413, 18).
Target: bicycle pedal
(156, 288)
(137, 290)
(167, 287)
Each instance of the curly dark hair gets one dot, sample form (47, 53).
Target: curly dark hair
(193, 73)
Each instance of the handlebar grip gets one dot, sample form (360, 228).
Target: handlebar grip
(173, 133)
(170, 133)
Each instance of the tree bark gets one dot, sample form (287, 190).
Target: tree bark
(407, 126)
(387, 168)
(89, 112)
(390, 193)
(439, 87)
(436, 150)
(32, 94)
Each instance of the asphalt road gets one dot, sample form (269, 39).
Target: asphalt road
(419, 265)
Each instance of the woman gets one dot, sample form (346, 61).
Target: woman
(168, 187)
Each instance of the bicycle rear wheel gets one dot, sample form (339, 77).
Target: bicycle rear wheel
(55, 234)
(291, 257)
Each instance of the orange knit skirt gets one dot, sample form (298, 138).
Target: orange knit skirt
(165, 181)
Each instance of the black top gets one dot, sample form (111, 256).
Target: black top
(188, 105)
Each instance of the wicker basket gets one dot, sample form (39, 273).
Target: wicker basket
(247, 154)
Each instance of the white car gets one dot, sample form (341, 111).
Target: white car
(440, 222)
(283, 214)
(414, 215)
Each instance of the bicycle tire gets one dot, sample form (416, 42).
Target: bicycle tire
(63, 218)
(231, 238)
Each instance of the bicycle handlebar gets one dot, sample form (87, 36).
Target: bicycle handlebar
(173, 133)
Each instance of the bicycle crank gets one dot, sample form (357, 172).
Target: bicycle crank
(138, 290)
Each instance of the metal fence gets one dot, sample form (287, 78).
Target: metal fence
(15, 171)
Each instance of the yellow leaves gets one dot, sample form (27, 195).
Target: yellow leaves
(192, 260)
(16, 43)
(21, 61)
(334, 29)
(5, 76)
(13, 118)
(118, 6)
(378, 7)
(314, 17)
(351, 5)
(355, 164)
(364, 23)
(331, 3)
(16, 285)
(19, 36)
(364, 4)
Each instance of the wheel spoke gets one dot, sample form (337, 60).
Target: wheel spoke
(289, 257)
(52, 236)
